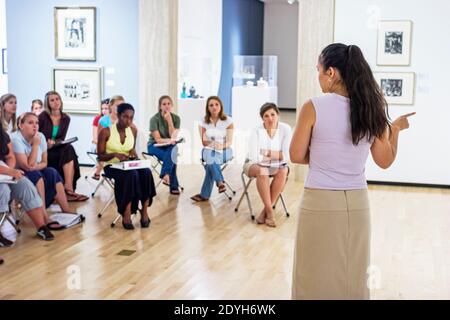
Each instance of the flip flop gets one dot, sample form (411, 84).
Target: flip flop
(96, 177)
(52, 223)
(75, 196)
(222, 188)
(175, 192)
(198, 198)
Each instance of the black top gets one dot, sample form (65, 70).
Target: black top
(4, 140)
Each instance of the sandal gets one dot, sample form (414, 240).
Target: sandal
(175, 192)
(52, 223)
(96, 176)
(5, 242)
(222, 187)
(75, 197)
(198, 198)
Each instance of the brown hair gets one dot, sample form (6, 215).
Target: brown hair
(268, 106)
(222, 115)
(161, 99)
(46, 101)
(38, 101)
(3, 100)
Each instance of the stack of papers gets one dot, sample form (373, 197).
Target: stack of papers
(6, 179)
(67, 219)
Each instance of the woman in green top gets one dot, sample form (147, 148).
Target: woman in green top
(164, 127)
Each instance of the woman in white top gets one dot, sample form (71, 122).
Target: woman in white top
(8, 106)
(267, 157)
(216, 132)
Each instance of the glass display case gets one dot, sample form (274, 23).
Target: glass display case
(255, 71)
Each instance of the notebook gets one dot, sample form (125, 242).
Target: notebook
(6, 179)
(67, 141)
(168, 143)
(132, 164)
(273, 164)
(67, 219)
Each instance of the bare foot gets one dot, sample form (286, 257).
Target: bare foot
(270, 220)
(261, 218)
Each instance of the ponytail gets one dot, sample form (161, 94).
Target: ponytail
(368, 109)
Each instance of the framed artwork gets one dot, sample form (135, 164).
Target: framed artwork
(75, 33)
(80, 88)
(394, 43)
(4, 61)
(397, 87)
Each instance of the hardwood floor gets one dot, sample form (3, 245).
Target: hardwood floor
(207, 251)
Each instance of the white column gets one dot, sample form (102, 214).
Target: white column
(158, 42)
(316, 30)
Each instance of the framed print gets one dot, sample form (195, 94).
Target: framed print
(394, 43)
(397, 87)
(75, 33)
(4, 61)
(80, 88)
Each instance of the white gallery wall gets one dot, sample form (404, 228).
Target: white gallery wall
(281, 39)
(200, 45)
(424, 149)
(3, 77)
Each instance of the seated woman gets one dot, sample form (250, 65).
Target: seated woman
(23, 191)
(30, 150)
(104, 110)
(8, 107)
(267, 157)
(117, 144)
(111, 118)
(216, 132)
(54, 123)
(37, 106)
(164, 128)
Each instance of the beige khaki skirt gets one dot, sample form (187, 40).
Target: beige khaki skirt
(332, 249)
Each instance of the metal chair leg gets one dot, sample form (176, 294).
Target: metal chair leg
(284, 205)
(113, 224)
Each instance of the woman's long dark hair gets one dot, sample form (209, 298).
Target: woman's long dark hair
(369, 115)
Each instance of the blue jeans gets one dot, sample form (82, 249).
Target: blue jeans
(213, 160)
(168, 155)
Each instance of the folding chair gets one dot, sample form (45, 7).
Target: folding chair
(247, 184)
(93, 157)
(8, 216)
(156, 167)
(223, 166)
(110, 183)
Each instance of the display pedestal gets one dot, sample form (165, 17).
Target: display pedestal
(246, 103)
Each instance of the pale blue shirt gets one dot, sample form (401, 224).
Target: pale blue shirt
(20, 145)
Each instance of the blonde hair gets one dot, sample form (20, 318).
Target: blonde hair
(113, 100)
(3, 100)
(46, 101)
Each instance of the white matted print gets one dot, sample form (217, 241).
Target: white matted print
(80, 88)
(75, 33)
(394, 43)
(397, 87)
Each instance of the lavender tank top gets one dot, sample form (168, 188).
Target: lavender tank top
(335, 163)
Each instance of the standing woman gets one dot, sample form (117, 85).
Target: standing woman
(115, 144)
(8, 106)
(54, 123)
(334, 135)
(164, 128)
(216, 132)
